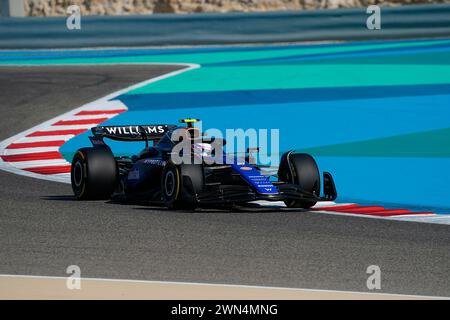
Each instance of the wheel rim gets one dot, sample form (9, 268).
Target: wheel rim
(78, 174)
(169, 183)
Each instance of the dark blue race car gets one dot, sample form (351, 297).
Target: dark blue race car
(152, 176)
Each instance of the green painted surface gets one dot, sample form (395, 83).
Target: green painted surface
(434, 143)
(298, 76)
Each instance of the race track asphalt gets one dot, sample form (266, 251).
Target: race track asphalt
(43, 229)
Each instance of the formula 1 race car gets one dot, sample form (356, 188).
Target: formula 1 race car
(153, 177)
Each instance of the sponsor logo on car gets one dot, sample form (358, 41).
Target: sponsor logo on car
(134, 130)
(157, 162)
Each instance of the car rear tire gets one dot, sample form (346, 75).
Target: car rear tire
(300, 169)
(94, 174)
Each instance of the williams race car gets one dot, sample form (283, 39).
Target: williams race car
(151, 176)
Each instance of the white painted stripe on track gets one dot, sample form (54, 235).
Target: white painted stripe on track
(330, 204)
(74, 117)
(63, 175)
(424, 218)
(104, 105)
(9, 152)
(431, 218)
(437, 218)
(39, 163)
(45, 138)
(281, 204)
(68, 127)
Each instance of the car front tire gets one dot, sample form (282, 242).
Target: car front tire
(300, 169)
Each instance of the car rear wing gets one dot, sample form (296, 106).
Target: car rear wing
(132, 132)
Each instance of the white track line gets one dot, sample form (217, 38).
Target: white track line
(36, 164)
(88, 117)
(45, 138)
(9, 152)
(322, 208)
(71, 126)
